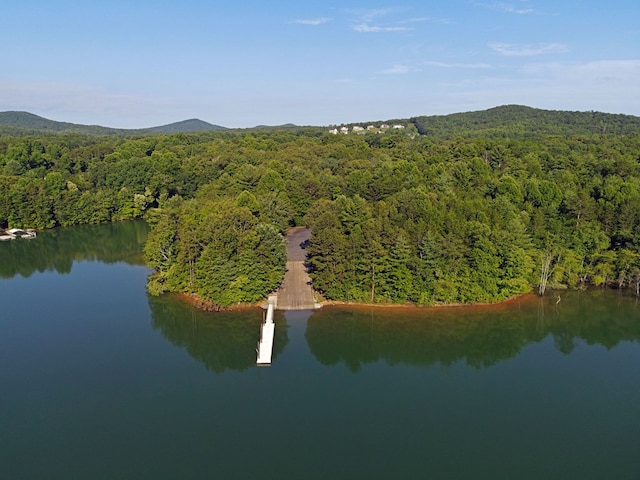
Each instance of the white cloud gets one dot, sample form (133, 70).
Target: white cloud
(441, 21)
(369, 15)
(506, 8)
(601, 71)
(311, 21)
(457, 65)
(416, 20)
(365, 28)
(396, 70)
(520, 50)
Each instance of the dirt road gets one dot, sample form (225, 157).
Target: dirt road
(296, 292)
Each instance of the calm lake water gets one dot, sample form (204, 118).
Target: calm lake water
(98, 380)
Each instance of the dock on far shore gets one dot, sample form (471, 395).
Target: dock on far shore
(14, 233)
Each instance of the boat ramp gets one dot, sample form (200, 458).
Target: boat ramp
(296, 292)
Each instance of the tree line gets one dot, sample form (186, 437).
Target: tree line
(395, 217)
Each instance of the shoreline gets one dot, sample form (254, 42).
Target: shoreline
(203, 305)
(412, 306)
(206, 306)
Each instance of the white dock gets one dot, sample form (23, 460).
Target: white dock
(265, 345)
(17, 233)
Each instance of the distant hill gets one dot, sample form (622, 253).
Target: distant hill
(186, 126)
(27, 123)
(522, 121)
(277, 127)
(23, 123)
(508, 121)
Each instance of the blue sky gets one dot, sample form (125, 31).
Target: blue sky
(138, 63)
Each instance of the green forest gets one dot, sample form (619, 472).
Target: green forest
(456, 209)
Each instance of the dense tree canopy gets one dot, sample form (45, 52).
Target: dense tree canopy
(216, 250)
(396, 217)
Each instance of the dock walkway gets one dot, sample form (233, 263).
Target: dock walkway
(267, 331)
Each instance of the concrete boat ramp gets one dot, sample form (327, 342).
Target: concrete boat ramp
(296, 292)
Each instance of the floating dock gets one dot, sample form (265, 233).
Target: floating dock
(265, 345)
(17, 233)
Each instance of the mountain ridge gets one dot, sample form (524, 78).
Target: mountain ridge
(186, 126)
(500, 121)
(26, 122)
(524, 121)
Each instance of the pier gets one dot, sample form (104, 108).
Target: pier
(265, 345)
(296, 292)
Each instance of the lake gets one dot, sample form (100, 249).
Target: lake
(101, 381)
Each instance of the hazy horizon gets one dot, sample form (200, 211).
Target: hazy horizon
(242, 64)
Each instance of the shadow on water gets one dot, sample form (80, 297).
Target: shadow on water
(57, 249)
(479, 336)
(219, 340)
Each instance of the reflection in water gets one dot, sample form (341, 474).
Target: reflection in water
(57, 249)
(220, 340)
(480, 336)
